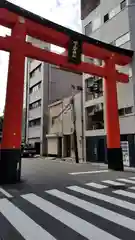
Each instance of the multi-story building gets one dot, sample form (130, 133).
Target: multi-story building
(111, 22)
(61, 141)
(45, 84)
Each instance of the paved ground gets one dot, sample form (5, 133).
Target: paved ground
(59, 200)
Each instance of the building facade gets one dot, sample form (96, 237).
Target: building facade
(111, 22)
(61, 128)
(45, 84)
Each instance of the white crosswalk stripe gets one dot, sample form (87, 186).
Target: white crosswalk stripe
(96, 185)
(132, 178)
(113, 183)
(5, 193)
(79, 225)
(126, 180)
(89, 172)
(132, 188)
(125, 193)
(22, 223)
(103, 197)
(64, 208)
(100, 211)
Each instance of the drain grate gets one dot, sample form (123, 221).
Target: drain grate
(119, 187)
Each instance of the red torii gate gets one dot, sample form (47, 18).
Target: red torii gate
(24, 23)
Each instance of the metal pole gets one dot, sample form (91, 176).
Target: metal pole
(62, 133)
(74, 132)
(82, 123)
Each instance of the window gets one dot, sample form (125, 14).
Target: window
(121, 112)
(88, 29)
(128, 110)
(53, 120)
(32, 74)
(123, 4)
(35, 104)
(89, 81)
(88, 6)
(94, 117)
(35, 122)
(35, 88)
(96, 23)
(123, 39)
(114, 11)
(125, 111)
(38, 68)
(106, 17)
(94, 88)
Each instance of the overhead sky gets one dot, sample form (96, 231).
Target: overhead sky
(64, 12)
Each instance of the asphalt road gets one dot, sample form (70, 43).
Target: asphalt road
(63, 200)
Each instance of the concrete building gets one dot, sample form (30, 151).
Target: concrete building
(111, 22)
(61, 128)
(45, 84)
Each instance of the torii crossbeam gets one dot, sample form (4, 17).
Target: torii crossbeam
(22, 23)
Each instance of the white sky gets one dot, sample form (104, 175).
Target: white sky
(64, 12)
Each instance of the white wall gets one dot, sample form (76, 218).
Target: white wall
(36, 78)
(67, 118)
(34, 132)
(33, 140)
(54, 111)
(35, 96)
(34, 64)
(34, 113)
(127, 124)
(52, 145)
(64, 124)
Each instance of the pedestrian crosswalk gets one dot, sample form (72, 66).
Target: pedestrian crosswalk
(125, 180)
(113, 183)
(5, 193)
(125, 193)
(96, 185)
(22, 223)
(108, 199)
(89, 211)
(79, 225)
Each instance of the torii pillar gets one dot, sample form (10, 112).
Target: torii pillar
(114, 151)
(11, 141)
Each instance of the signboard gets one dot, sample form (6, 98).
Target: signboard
(75, 51)
(125, 153)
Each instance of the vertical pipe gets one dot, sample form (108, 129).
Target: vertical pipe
(82, 124)
(75, 132)
(62, 128)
